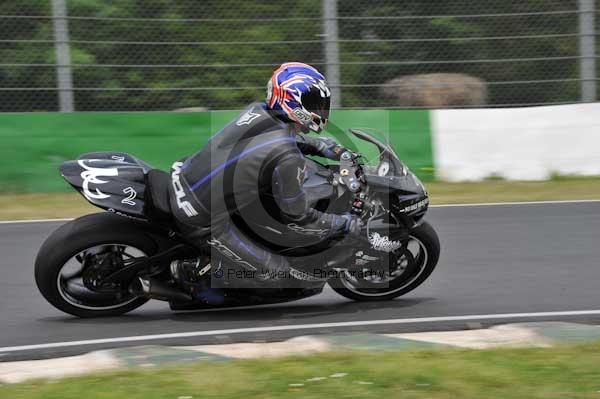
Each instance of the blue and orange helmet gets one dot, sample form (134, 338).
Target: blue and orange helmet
(300, 93)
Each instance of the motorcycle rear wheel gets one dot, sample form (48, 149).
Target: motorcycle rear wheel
(56, 263)
(425, 259)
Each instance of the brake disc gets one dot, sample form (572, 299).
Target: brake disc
(96, 267)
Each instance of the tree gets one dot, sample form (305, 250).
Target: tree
(224, 51)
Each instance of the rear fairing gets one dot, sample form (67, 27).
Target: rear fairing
(110, 180)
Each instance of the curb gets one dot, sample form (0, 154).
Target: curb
(544, 334)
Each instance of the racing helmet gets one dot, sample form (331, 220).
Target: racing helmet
(300, 93)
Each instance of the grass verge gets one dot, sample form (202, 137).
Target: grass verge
(65, 205)
(561, 188)
(561, 372)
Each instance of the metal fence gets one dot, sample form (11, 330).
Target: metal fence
(93, 55)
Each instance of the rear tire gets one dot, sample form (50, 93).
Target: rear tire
(77, 236)
(429, 238)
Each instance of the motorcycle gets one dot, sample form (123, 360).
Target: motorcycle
(109, 263)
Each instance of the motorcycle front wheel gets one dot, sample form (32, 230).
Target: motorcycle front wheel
(402, 272)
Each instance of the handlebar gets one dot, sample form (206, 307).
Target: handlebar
(351, 171)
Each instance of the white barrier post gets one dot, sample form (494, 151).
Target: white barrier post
(332, 52)
(587, 50)
(63, 56)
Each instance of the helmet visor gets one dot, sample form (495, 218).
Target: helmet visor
(318, 102)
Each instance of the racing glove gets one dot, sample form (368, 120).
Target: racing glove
(320, 146)
(354, 225)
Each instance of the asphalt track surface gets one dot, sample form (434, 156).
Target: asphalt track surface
(499, 264)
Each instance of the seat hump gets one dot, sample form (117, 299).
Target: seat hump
(158, 183)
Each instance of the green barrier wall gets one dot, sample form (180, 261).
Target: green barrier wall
(34, 145)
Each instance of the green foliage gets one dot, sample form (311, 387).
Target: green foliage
(227, 21)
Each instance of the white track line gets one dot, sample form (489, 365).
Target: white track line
(517, 203)
(432, 206)
(24, 221)
(295, 327)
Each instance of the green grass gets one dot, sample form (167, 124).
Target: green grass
(43, 206)
(563, 188)
(64, 205)
(562, 372)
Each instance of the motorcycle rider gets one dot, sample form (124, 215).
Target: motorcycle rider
(251, 174)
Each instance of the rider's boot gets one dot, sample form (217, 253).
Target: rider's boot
(194, 275)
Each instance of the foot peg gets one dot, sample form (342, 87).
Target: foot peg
(156, 289)
(190, 270)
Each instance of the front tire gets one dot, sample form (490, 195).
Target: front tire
(65, 246)
(426, 237)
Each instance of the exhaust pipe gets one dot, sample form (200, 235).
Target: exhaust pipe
(156, 289)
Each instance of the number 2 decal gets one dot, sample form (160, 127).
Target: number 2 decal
(131, 196)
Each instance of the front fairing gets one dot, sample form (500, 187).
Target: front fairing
(387, 176)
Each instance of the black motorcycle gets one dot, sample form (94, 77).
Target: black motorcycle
(110, 263)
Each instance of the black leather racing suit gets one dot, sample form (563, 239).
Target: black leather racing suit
(251, 173)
